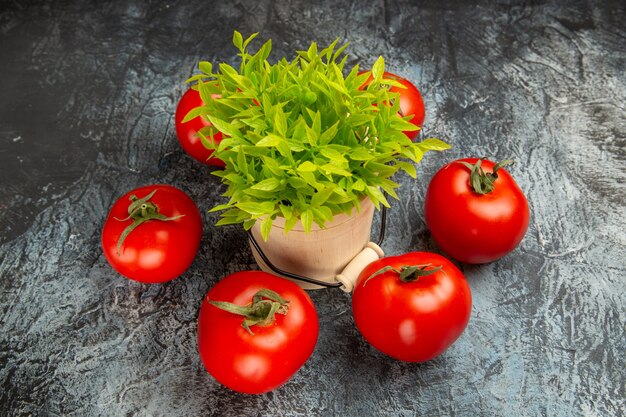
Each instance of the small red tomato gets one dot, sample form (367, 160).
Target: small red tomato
(411, 102)
(187, 132)
(411, 307)
(152, 233)
(255, 330)
(475, 210)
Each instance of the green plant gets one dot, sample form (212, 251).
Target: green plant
(301, 140)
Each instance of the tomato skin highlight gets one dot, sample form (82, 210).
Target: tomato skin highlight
(263, 361)
(187, 132)
(155, 251)
(470, 227)
(412, 321)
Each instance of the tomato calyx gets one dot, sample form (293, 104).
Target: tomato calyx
(484, 182)
(408, 273)
(261, 311)
(141, 210)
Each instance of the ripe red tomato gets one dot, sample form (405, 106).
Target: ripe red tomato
(415, 307)
(411, 102)
(187, 132)
(473, 227)
(164, 240)
(262, 356)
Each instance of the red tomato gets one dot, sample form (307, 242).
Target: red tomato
(411, 102)
(187, 132)
(411, 320)
(165, 240)
(472, 227)
(265, 356)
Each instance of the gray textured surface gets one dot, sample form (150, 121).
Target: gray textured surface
(89, 91)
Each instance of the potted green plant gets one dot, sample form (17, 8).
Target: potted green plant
(309, 148)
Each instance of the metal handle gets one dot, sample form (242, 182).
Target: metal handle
(336, 284)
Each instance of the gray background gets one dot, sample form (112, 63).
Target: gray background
(89, 91)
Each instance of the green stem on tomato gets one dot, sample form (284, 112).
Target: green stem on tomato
(408, 273)
(261, 311)
(484, 182)
(140, 210)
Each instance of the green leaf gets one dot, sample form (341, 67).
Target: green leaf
(256, 209)
(284, 149)
(280, 122)
(359, 185)
(196, 77)
(220, 207)
(271, 140)
(266, 227)
(334, 169)
(224, 221)
(287, 211)
(328, 51)
(333, 155)
(408, 168)
(312, 52)
(381, 170)
(238, 40)
(307, 220)
(311, 136)
(242, 163)
(376, 196)
(361, 154)
(226, 128)
(320, 197)
(356, 120)
(433, 144)
(399, 123)
(324, 213)
(269, 184)
(317, 123)
(290, 223)
(296, 182)
(193, 113)
(249, 39)
(378, 69)
(205, 67)
(307, 166)
(329, 134)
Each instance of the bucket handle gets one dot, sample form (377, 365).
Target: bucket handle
(347, 278)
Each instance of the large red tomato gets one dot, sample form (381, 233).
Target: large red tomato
(187, 132)
(411, 102)
(411, 307)
(152, 233)
(475, 210)
(253, 340)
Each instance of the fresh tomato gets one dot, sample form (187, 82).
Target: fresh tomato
(152, 233)
(255, 330)
(475, 210)
(411, 102)
(411, 307)
(187, 132)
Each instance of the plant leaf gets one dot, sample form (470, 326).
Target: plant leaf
(271, 140)
(307, 220)
(266, 227)
(256, 209)
(269, 184)
(307, 166)
(433, 144)
(238, 40)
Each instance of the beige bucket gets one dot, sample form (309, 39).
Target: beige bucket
(321, 254)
